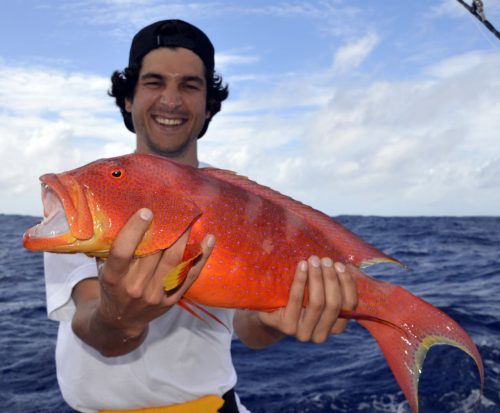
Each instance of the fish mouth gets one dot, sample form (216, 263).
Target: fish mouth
(54, 221)
(66, 216)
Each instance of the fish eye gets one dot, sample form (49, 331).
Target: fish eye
(117, 173)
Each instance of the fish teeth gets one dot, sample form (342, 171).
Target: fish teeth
(53, 225)
(54, 218)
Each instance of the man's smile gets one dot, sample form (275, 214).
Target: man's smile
(169, 121)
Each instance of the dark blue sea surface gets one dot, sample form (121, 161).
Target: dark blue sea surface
(454, 264)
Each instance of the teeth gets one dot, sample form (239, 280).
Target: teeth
(51, 202)
(54, 220)
(55, 224)
(168, 122)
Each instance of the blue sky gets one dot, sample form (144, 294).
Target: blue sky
(354, 107)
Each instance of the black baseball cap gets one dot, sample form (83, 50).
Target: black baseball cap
(172, 33)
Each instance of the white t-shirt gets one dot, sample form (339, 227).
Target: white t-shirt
(181, 359)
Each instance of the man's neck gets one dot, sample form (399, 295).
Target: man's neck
(188, 157)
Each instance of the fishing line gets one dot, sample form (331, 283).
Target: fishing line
(481, 30)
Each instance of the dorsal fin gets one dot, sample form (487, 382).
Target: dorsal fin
(352, 248)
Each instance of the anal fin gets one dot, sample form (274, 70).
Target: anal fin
(190, 306)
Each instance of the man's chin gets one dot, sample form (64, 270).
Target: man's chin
(170, 151)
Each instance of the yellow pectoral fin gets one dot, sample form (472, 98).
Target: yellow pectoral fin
(178, 274)
(207, 404)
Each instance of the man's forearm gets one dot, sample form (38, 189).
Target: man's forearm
(109, 339)
(252, 332)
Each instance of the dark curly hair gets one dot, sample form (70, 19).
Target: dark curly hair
(123, 85)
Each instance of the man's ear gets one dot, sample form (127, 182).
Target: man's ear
(128, 105)
(208, 114)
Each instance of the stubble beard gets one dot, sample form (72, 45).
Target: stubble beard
(177, 152)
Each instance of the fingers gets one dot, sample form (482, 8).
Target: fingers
(170, 258)
(288, 322)
(333, 301)
(349, 295)
(132, 288)
(330, 288)
(207, 246)
(314, 309)
(125, 244)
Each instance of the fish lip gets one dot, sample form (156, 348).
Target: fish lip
(74, 201)
(53, 228)
(55, 221)
(65, 209)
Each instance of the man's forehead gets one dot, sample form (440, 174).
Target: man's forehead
(175, 59)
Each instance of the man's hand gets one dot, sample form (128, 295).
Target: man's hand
(330, 288)
(129, 292)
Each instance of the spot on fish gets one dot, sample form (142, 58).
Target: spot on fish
(267, 246)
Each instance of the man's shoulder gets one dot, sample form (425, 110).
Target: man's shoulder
(202, 164)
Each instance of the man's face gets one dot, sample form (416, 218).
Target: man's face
(169, 105)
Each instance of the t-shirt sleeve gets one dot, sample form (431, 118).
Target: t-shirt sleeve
(62, 273)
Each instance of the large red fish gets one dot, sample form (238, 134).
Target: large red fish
(261, 235)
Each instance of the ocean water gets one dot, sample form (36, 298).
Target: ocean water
(455, 265)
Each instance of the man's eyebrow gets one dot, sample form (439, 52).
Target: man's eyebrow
(152, 75)
(184, 78)
(193, 78)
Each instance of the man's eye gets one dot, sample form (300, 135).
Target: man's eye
(191, 86)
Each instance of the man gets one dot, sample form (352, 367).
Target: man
(123, 343)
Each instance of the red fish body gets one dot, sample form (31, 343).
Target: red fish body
(261, 236)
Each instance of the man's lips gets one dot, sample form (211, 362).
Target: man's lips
(168, 121)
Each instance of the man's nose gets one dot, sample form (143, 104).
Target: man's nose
(171, 97)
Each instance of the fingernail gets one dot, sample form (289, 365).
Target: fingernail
(315, 262)
(327, 262)
(145, 214)
(210, 241)
(339, 267)
(303, 266)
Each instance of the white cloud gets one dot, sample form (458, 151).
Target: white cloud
(51, 121)
(469, 64)
(426, 146)
(40, 91)
(225, 59)
(352, 55)
(151, 9)
(119, 16)
(447, 8)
